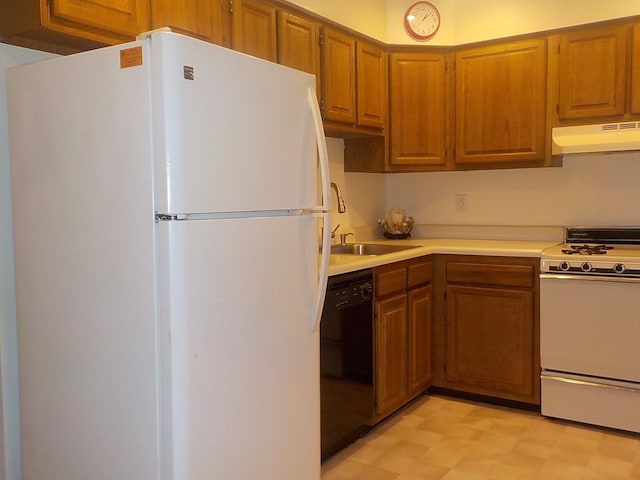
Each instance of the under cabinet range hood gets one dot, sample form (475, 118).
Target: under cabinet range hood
(601, 138)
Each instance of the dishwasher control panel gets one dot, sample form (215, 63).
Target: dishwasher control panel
(353, 294)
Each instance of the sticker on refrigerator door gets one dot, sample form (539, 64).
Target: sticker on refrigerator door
(131, 57)
(188, 72)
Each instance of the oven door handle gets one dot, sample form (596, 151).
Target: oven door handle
(586, 383)
(588, 278)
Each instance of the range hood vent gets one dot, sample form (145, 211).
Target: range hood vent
(601, 138)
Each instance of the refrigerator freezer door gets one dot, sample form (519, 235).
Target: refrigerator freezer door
(234, 133)
(244, 364)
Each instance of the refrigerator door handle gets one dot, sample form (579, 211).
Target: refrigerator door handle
(323, 157)
(324, 270)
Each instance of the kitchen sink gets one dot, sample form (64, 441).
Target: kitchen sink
(365, 249)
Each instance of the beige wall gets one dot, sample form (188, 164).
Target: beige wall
(587, 190)
(465, 21)
(365, 16)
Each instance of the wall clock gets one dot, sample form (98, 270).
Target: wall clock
(422, 20)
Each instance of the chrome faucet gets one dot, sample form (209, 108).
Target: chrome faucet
(343, 238)
(341, 206)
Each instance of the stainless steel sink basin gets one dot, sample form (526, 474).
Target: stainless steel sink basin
(364, 249)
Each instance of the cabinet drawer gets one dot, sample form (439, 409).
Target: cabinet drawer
(418, 273)
(389, 280)
(491, 274)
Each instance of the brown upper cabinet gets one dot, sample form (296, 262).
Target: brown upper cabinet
(77, 23)
(501, 105)
(208, 20)
(592, 73)
(298, 43)
(371, 85)
(419, 106)
(480, 106)
(635, 71)
(338, 54)
(354, 83)
(254, 29)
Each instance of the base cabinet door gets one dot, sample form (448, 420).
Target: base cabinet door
(391, 358)
(419, 339)
(402, 333)
(486, 327)
(489, 340)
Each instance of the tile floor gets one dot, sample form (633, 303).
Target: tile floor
(449, 439)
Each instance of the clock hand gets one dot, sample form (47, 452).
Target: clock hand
(427, 15)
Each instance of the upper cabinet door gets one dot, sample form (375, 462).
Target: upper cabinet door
(501, 105)
(124, 17)
(635, 71)
(74, 23)
(254, 29)
(419, 111)
(298, 44)
(338, 54)
(371, 65)
(592, 69)
(208, 20)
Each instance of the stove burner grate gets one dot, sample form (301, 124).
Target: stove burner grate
(587, 249)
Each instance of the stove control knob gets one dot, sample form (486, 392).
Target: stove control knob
(564, 266)
(619, 268)
(586, 267)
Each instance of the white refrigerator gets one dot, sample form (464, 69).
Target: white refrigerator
(10, 56)
(166, 208)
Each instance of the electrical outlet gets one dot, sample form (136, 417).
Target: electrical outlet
(461, 202)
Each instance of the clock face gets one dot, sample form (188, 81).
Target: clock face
(422, 20)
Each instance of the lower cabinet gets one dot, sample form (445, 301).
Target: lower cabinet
(456, 323)
(402, 333)
(487, 333)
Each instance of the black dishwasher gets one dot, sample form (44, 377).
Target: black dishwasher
(346, 360)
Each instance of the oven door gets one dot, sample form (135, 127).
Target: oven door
(590, 325)
(590, 349)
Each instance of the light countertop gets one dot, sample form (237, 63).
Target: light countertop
(506, 248)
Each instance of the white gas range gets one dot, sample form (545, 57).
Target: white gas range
(590, 327)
